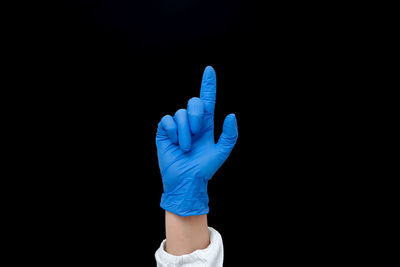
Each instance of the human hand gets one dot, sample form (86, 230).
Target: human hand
(187, 153)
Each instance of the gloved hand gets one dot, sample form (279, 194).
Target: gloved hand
(187, 154)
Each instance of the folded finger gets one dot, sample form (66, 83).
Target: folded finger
(195, 112)
(169, 125)
(184, 135)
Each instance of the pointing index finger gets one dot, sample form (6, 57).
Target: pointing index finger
(208, 90)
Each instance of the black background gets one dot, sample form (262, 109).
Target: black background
(106, 72)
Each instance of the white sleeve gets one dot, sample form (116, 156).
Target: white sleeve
(212, 256)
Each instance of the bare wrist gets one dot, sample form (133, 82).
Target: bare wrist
(186, 234)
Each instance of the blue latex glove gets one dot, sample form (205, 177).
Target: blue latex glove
(187, 154)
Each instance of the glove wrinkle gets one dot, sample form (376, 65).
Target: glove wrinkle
(187, 153)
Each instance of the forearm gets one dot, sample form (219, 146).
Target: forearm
(185, 234)
(188, 158)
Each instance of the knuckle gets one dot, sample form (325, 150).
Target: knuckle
(181, 111)
(194, 100)
(166, 117)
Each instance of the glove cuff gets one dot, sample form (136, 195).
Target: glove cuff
(180, 204)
